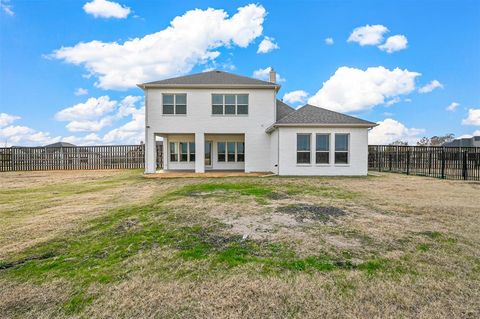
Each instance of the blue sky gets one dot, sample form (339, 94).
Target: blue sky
(381, 56)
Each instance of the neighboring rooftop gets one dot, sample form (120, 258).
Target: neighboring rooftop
(464, 142)
(209, 79)
(309, 114)
(60, 144)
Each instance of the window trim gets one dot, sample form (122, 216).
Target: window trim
(328, 135)
(347, 151)
(174, 104)
(309, 151)
(224, 105)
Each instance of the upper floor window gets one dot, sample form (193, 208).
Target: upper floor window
(341, 148)
(230, 104)
(175, 104)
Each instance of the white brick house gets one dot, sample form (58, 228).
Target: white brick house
(221, 121)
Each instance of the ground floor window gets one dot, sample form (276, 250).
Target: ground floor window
(230, 151)
(322, 150)
(303, 148)
(182, 152)
(341, 148)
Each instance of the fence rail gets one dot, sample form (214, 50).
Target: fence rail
(73, 158)
(434, 161)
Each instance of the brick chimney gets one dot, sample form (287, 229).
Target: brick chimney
(272, 75)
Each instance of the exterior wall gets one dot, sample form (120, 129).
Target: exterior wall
(274, 145)
(199, 120)
(358, 152)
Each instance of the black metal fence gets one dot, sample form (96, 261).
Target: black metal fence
(74, 158)
(434, 161)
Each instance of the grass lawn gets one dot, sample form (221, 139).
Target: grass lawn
(115, 244)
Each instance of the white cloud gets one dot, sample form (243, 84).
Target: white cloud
(390, 130)
(89, 126)
(106, 9)
(130, 133)
(395, 100)
(329, 41)
(20, 134)
(351, 89)
(298, 96)
(427, 88)
(473, 117)
(368, 34)
(191, 39)
(7, 7)
(267, 45)
(263, 74)
(394, 43)
(81, 91)
(91, 109)
(453, 106)
(7, 119)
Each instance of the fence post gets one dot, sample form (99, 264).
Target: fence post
(464, 166)
(443, 163)
(390, 161)
(408, 161)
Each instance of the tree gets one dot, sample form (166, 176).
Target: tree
(436, 140)
(399, 143)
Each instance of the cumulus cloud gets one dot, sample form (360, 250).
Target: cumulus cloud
(21, 135)
(394, 43)
(267, 45)
(368, 34)
(473, 117)
(390, 130)
(7, 7)
(81, 91)
(263, 74)
(7, 119)
(329, 41)
(298, 96)
(352, 90)
(91, 109)
(452, 106)
(106, 9)
(191, 39)
(395, 100)
(427, 88)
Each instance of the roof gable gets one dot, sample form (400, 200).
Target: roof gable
(211, 78)
(283, 110)
(309, 114)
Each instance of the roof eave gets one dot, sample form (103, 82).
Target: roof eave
(272, 127)
(208, 86)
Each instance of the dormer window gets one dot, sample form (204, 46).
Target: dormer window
(229, 104)
(174, 104)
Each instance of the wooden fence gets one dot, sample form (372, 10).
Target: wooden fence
(434, 161)
(74, 158)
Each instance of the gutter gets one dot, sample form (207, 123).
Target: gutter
(272, 127)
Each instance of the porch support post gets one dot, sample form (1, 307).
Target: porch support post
(150, 152)
(199, 152)
(166, 152)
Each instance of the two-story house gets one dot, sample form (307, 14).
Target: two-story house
(222, 121)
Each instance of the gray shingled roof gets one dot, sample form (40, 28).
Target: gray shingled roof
(283, 110)
(212, 78)
(309, 114)
(60, 144)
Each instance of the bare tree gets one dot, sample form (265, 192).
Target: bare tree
(436, 140)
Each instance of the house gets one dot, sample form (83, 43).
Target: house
(464, 142)
(221, 121)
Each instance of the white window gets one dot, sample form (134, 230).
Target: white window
(230, 151)
(303, 148)
(341, 148)
(322, 149)
(230, 104)
(182, 152)
(174, 104)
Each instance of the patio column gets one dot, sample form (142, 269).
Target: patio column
(199, 153)
(150, 152)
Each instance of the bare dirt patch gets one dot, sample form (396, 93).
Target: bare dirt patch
(308, 212)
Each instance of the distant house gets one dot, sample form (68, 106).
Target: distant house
(464, 142)
(221, 121)
(60, 144)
